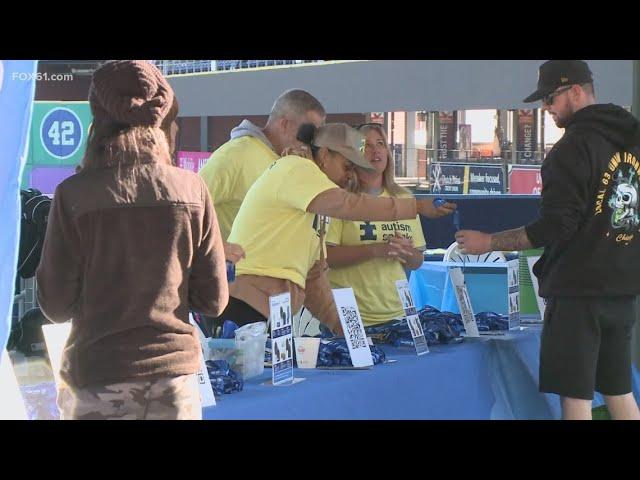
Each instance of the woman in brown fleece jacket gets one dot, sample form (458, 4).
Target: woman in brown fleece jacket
(132, 244)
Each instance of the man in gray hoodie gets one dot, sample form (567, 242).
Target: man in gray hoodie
(237, 164)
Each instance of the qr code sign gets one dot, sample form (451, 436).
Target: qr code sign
(353, 327)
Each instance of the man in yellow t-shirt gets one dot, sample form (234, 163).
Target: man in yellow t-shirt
(236, 165)
(373, 280)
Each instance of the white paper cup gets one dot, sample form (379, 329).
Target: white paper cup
(307, 351)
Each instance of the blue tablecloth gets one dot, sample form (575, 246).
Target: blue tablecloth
(486, 378)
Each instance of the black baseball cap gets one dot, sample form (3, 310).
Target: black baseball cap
(558, 73)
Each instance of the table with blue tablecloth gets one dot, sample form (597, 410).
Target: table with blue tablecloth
(486, 378)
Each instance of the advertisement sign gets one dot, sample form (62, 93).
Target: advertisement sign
(485, 180)
(192, 161)
(447, 178)
(446, 135)
(450, 178)
(527, 136)
(525, 180)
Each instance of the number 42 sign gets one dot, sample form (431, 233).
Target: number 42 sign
(61, 132)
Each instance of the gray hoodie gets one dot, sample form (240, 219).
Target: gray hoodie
(248, 129)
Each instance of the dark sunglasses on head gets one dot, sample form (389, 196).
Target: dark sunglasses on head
(548, 99)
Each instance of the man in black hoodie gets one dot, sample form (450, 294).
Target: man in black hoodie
(589, 226)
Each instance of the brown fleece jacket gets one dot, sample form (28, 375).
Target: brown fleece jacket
(128, 251)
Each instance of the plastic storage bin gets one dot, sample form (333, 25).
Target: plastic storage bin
(245, 353)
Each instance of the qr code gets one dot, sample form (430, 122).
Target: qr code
(353, 327)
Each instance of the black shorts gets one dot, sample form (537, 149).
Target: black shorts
(236, 311)
(586, 346)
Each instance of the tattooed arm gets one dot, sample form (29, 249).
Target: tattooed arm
(476, 243)
(515, 239)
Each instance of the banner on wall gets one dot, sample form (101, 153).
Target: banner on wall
(47, 178)
(377, 117)
(192, 161)
(527, 136)
(446, 135)
(466, 145)
(57, 142)
(485, 180)
(525, 180)
(447, 178)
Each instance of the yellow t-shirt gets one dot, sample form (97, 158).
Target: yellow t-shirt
(229, 174)
(280, 238)
(373, 281)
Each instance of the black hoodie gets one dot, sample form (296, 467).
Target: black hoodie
(589, 219)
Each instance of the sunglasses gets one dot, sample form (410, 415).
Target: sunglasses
(548, 99)
(370, 124)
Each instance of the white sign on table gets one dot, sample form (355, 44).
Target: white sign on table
(513, 272)
(464, 302)
(207, 397)
(413, 321)
(281, 322)
(12, 404)
(55, 336)
(353, 327)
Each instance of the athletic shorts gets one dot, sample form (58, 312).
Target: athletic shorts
(586, 346)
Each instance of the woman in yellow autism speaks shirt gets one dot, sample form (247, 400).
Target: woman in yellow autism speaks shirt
(370, 256)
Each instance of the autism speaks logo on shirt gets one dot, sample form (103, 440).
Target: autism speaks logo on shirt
(621, 185)
(369, 230)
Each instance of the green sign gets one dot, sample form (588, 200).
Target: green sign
(58, 133)
(58, 136)
(528, 301)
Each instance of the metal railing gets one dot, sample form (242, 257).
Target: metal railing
(26, 299)
(183, 67)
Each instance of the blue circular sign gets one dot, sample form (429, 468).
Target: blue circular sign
(61, 133)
